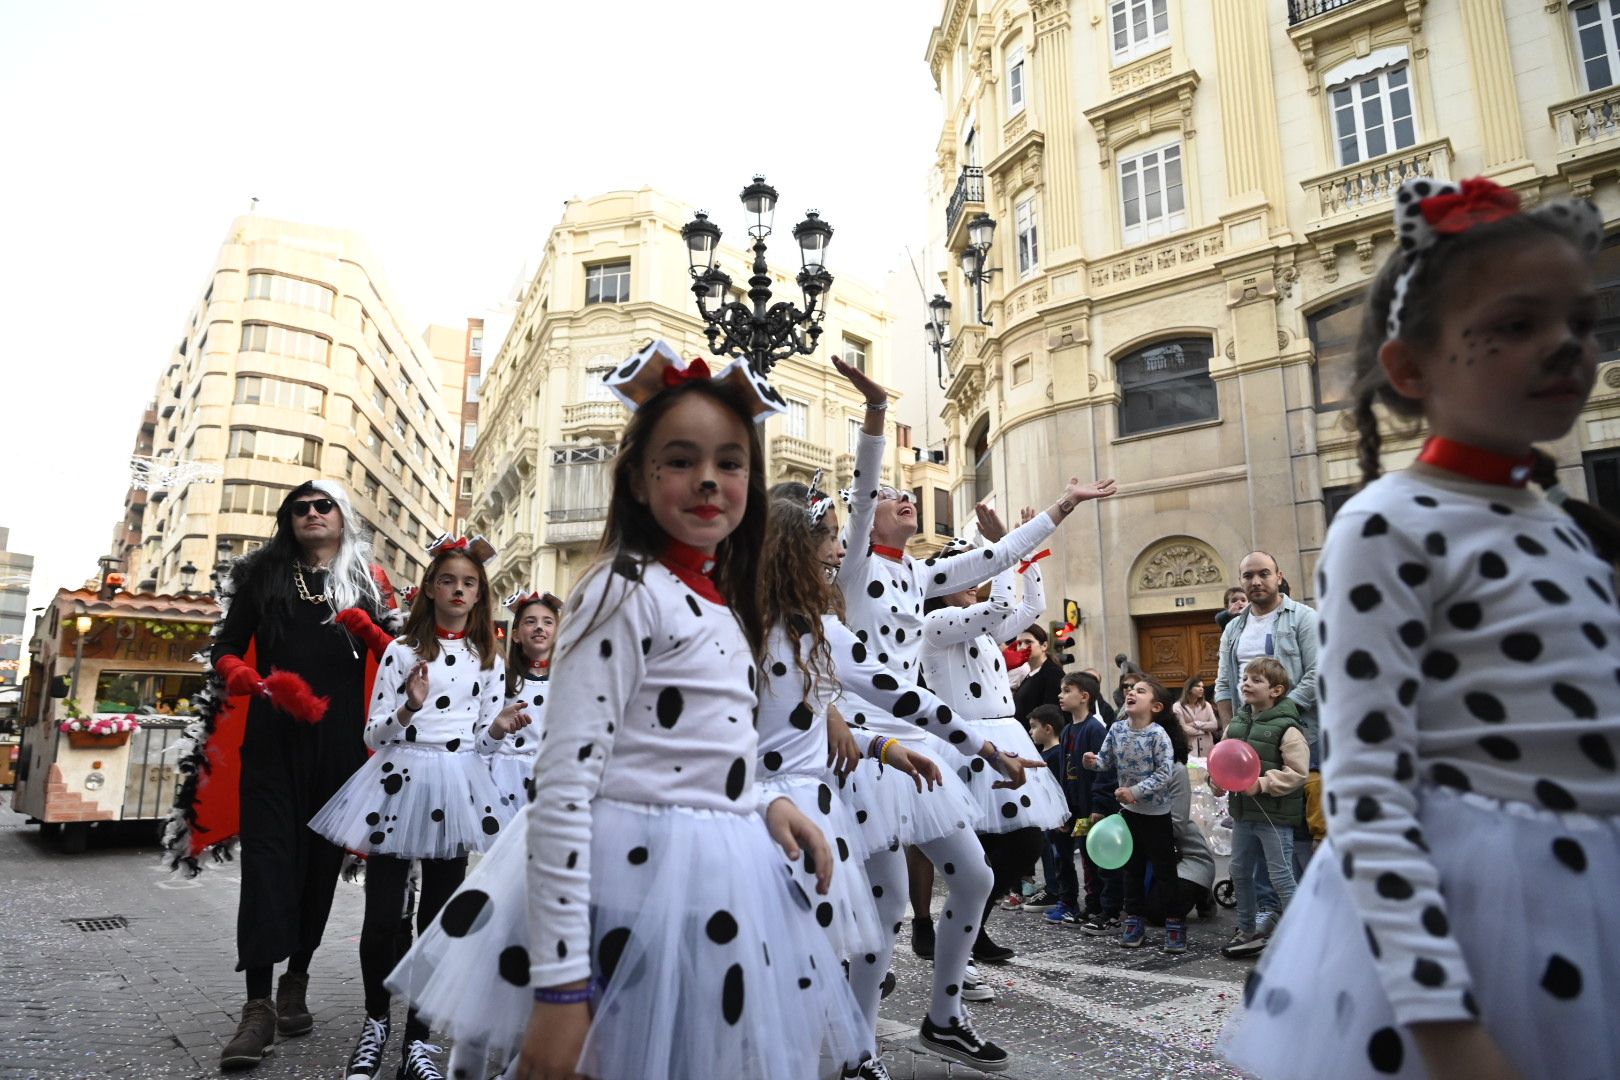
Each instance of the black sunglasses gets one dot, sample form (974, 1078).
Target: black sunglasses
(320, 506)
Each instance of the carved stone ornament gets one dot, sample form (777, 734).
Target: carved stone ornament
(1180, 566)
(1611, 377)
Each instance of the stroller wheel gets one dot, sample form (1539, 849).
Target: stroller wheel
(1224, 895)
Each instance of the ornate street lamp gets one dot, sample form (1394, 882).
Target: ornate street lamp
(762, 332)
(975, 259)
(939, 322)
(188, 577)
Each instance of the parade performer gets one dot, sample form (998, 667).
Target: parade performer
(665, 936)
(426, 793)
(278, 731)
(962, 662)
(1469, 636)
(511, 750)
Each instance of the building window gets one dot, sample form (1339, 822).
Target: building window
(290, 290)
(855, 353)
(1152, 202)
(469, 436)
(400, 426)
(374, 440)
(1603, 479)
(1597, 28)
(854, 435)
(1334, 331)
(607, 284)
(1372, 114)
(1606, 273)
(1022, 371)
(1015, 81)
(274, 446)
(475, 346)
(596, 387)
(942, 513)
(370, 487)
(1166, 385)
(983, 462)
(236, 497)
(258, 390)
(1029, 247)
(1333, 498)
(284, 341)
(1139, 27)
(466, 485)
(472, 389)
(798, 419)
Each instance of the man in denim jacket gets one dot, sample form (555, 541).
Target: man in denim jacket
(1279, 626)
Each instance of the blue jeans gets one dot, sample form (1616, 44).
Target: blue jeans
(1057, 861)
(1264, 893)
(1259, 848)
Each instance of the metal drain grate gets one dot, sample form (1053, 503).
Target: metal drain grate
(101, 922)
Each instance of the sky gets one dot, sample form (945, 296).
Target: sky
(448, 135)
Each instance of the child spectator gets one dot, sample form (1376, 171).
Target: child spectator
(1091, 798)
(1264, 816)
(1046, 726)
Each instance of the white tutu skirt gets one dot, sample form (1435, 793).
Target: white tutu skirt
(414, 802)
(1039, 803)
(891, 811)
(847, 911)
(1522, 886)
(511, 774)
(708, 958)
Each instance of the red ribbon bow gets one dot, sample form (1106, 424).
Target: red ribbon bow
(1480, 201)
(458, 544)
(697, 369)
(1033, 559)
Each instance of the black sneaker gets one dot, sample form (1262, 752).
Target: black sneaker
(1041, 901)
(366, 1061)
(887, 987)
(418, 1063)
(988, 952)
(959, 1042)
(922, 938)
(1102, 925)
(870, 1069)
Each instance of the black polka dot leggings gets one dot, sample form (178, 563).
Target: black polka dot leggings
(385, 935)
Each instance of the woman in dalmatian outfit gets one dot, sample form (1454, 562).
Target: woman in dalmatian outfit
(651, 926)
(528, 671)
(425, 794)
(1459, 920)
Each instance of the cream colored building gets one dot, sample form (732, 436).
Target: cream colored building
(613, 276)
(294, 364)
(1191, 196)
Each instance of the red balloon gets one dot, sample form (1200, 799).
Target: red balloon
(1234, 765)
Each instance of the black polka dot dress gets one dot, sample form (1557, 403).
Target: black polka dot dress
(644, 864)
(511, 760)
(1469, 677)
(961, 660)
(425, 793)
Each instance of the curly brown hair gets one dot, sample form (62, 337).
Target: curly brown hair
(794, 592)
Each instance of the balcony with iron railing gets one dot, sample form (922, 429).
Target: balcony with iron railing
(1300, 10)
(969, 193)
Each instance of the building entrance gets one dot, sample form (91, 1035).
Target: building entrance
(1174, 648)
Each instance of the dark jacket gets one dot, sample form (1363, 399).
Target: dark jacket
(1040, 688)
(1088, 792)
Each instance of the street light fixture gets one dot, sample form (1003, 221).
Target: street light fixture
(975, 260)
(188, 576)
(762, 332)
(939, 322)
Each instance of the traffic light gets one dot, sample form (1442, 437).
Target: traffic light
(1062, 639)
(111, 584)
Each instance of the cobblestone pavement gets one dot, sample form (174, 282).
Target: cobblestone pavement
(159, 998)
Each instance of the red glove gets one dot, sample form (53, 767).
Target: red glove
(1014, 656)
(293, 696)
(239, 678)
(373, 637)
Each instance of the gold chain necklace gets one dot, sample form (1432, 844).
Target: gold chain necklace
(303, 589)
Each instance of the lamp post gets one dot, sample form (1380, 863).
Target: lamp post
(938, 324)
(762, 332)
(222, 565)
(81, 625)
(188, 576)
(975, 260)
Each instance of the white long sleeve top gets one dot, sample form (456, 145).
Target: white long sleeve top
(463, 699)
(961, 656)
(1470, 639)
(793, 722)
(526, 743)
(651, 701)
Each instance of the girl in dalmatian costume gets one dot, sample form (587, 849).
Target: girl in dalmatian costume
(425, 794)
(650, 926)
(528, 674)
(1459, 920)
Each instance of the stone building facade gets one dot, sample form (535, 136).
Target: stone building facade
(1191, 197)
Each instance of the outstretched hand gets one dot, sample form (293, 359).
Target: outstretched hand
(870, 390)
(797, 835)
(1095, 489)
(991, 527)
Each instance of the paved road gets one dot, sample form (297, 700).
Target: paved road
(158, 998)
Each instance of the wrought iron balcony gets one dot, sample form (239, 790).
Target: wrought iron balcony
(969, 190)
(1300, 10)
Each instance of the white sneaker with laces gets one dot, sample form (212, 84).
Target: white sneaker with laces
(973, 989)
(419, 1063)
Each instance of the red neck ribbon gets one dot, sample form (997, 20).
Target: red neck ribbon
(1486, 466)
(1033, 559)
(695, 568)
(445, 635)
(892, 554)
(539, 665)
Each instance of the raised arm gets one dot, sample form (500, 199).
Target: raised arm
(944, 576)
(954, 625)
(868, 472)
(1029, 609)
(586, 704)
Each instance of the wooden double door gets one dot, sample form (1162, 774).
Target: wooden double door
(1174, 648)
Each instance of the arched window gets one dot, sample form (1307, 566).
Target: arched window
(1166, 384)
(979, 451)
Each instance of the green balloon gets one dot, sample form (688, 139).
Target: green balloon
(1109, 842)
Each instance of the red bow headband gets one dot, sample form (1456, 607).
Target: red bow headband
(697, 369)
(476, 548)
(520, 600)
(658, 367)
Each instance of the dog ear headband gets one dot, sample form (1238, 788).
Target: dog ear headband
(657, 367)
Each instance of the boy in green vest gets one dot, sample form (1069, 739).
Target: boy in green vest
(1264, 816)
